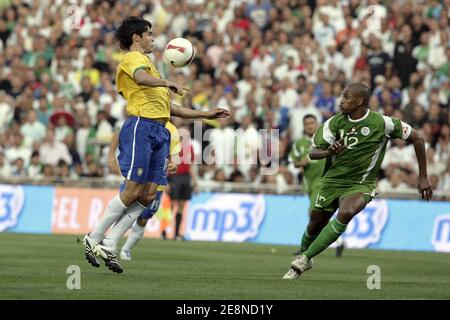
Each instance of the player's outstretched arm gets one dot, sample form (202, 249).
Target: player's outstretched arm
(142, 78)
(424, 185)
(179, 111)
(334, 149)
(112, 161)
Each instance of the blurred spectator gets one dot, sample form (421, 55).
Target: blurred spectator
(32, 129)
(5, 168)
(18, 150)
(35, 166)
(394, 181)
(269, 62)
(18, 168)
(51, 150)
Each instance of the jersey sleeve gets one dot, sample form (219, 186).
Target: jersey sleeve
(325, 135)
(396, 129)
(175, 145)
(132, 62)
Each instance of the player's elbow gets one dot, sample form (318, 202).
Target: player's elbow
(139, 78)
(417, 137)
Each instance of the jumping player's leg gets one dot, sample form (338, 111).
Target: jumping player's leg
(126, 221)
(137, 231)
(116, 208)
(123, 202)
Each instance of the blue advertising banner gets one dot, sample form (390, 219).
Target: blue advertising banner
(26, 209)
(384, 224)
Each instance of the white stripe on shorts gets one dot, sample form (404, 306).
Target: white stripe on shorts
(134, 149)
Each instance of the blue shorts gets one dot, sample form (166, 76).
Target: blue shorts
(144, 147)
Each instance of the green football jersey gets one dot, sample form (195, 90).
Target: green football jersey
(313, 171)
(366, 140)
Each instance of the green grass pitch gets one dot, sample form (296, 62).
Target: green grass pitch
(34, 267)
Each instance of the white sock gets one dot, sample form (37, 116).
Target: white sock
(123, 224)
(113, 212)
(137, 232)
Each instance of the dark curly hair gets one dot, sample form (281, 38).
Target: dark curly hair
(130, 26)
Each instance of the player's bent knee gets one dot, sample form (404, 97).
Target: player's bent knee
(146, 199)
(345, 215)
(132, 191)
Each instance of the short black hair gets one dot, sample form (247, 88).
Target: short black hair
(309, 116)
(131, 25)
(360, 90)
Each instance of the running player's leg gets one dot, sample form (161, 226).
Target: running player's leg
(308, 237)
(325, 204)
(348, 208)
(317, 221)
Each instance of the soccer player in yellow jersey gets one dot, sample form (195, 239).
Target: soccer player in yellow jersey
(144, 140)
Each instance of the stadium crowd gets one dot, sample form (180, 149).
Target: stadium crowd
(270, 62)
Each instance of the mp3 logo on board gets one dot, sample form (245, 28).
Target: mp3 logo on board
(441, 233)
(366, 227)
(226, 217)
(12, 199)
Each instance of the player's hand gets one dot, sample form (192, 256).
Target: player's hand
(217, 113)
(336, 147)
(176, 88)
(113, 165)
(172, 167)
(424, 188)
(301, 163)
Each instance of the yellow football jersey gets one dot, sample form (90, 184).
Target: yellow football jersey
(175, 145)
(142, 101)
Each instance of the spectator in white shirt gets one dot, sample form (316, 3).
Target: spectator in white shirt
(52, 151)
(304, 106)
(394, 181)
(400, 156)
(288, 95)
(260, 65)
(32, 130)
(323, 31)
(18, 150)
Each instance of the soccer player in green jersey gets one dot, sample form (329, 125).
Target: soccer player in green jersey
(353, 143)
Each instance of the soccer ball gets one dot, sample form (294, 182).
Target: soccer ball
(179, 52)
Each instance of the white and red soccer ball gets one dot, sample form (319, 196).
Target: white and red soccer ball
(179, 52)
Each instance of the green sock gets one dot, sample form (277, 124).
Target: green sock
(327, 236)
(306, 241)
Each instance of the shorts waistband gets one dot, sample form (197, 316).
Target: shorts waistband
(159, 121)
